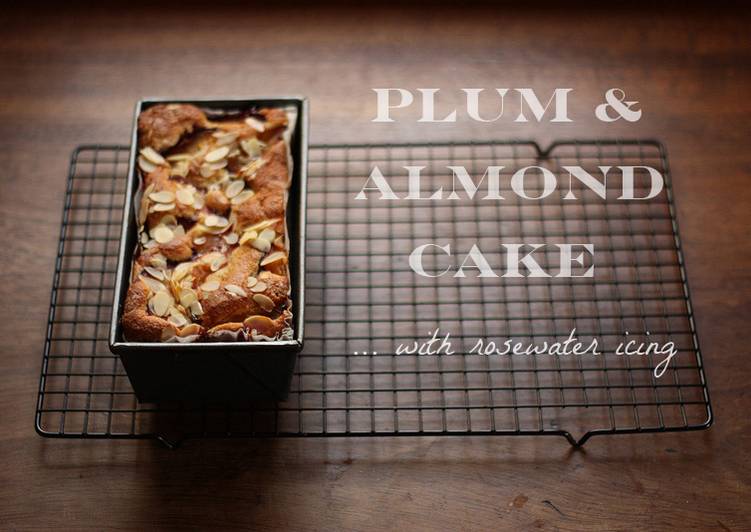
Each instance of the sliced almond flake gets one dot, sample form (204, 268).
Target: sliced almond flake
(196, 309)
(179, 231)
(156, 274)
(234, 289)
(150, 244)
(160, 303)
(169, 220)
(261, 244)
(163, 196)
(234, 153)
(199, 241)
(144, 238)
(221, 221)
(255, 124)
(224, 138)
(252, 146)
(206, 170)
(251, 282)
(260, 286)
(180, 157)
(234, 188)
(218, 263)
(154, 285)
(216, 155)
(185, 196)
(273, 257)
(231, 238)
(212, 220)
(211, 257)
(158, 261)
(187, 297)
(249, 170)
(163, 234)
(219, 165)
(163, 207)
(209, 286)
(260, 226)
(248, 236)
(151, 155)
(198, 202)
(190, 330)
(143, 210)
(242, 197)
(181, 270)
(265, 302)
(268, 234)
(145, 165)
(176, 318)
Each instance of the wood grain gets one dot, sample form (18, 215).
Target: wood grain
(73, 77)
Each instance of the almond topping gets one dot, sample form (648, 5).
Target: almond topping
(181, 270)
(145, 165)
(176, 318)
(156, 274)
(255, 124)
(260, 286)
(261, 244)
(209, 286)
(242, 197)
(234, 289)
(217, 263)
(196, 309)
(185, 196)
(263, 225)
(178, 157)
(163, 234)
(206, 170)
(217, 154)
(212, 220)
(160, 303)
(264, 302)
(188, 297)
(273, 257)
(163, 196)
(163, 207)
(268, 234)
(154, 285)
(199, 240)
(151, 155)
(251, 281)
(224, 138)
(234, 188)
(190, 330)
(252, 147)
(158, 261)
(231, 238)
(248, 236)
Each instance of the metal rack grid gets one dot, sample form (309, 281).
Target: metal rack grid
(363, 300)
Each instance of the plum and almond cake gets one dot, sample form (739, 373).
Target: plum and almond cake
(212, 256)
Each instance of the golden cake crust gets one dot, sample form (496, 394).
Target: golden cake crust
(212, 260)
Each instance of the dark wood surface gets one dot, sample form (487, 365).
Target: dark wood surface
(71, 76)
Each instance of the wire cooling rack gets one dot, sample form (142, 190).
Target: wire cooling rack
(363, 300)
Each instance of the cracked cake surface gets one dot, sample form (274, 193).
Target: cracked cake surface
(212, 256)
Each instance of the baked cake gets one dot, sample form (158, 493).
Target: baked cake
(212, 257)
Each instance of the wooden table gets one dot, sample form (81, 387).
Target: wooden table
(72, 76)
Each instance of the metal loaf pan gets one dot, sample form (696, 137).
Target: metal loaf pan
(216, 370)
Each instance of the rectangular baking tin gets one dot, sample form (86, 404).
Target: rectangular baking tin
(216, 370)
